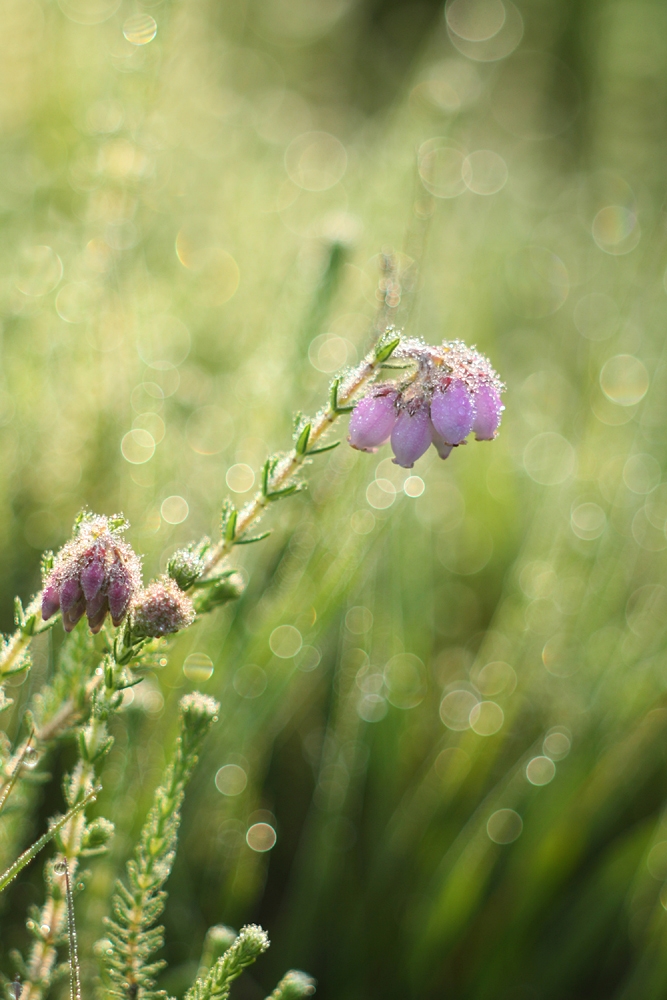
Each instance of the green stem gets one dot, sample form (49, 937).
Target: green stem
(54, 829)
(292, 462)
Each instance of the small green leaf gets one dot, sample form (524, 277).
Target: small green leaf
(19, 616)
(386, 348)
(302, 441)
(230, 530)
(286, 491)
(326, 447)
(255, 538)
(333, 395)
(265, 476)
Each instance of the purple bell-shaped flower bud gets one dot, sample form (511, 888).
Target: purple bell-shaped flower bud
(411, 436)
(453, 412)
(50, 599)
(488, 408)
(92, 576)
(443, 449)
(119, 591)
(372, 421)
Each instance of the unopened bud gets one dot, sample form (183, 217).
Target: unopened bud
(160, 609)
(372, 421)
(411, 436)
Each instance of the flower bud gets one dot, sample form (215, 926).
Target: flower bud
(411, 436)
(443, 449)
(160, 609)
(372, 421)
(94, 573)
(488, 407)
(453, 412)
(186, 565)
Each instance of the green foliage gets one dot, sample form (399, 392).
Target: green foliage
(132, 939)
(251, 942)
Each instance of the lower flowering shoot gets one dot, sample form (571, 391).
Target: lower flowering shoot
(95, 573)
(440, 394)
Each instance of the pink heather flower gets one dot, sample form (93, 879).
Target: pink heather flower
(411, 436)
(372, 421)
(95, 573)
(439, 394)
(443, 449)
(160, 609)
(453, 412)
(488, 407)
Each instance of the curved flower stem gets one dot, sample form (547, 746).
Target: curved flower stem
(343, 392)
(30, 624)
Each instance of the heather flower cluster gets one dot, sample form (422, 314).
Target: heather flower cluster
(95, 573)
(445, 393)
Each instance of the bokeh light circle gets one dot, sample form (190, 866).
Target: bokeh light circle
(198, 667)
(315, 161)
(261, 837)
(285, 641)
(504, 826)
(624, 380)
(231, 780)
(140, 29)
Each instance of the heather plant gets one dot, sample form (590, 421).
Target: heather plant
(439, 763)
(434, 394)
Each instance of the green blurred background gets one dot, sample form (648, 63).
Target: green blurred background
(443, 693)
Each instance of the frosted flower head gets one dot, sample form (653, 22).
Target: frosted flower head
(160, 609)
(94, 573)
(443, 392)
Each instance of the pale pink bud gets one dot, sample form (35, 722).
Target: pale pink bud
(160, 609)
(372, 421)
(443, 449)
(453, 412)
(411, 436)
(488, 407)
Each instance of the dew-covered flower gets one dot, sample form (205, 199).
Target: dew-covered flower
(372, 421)
(411, 435)
(453, 412)
(160, 609)
(439, 395)
(488, 408)
(95, 573)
